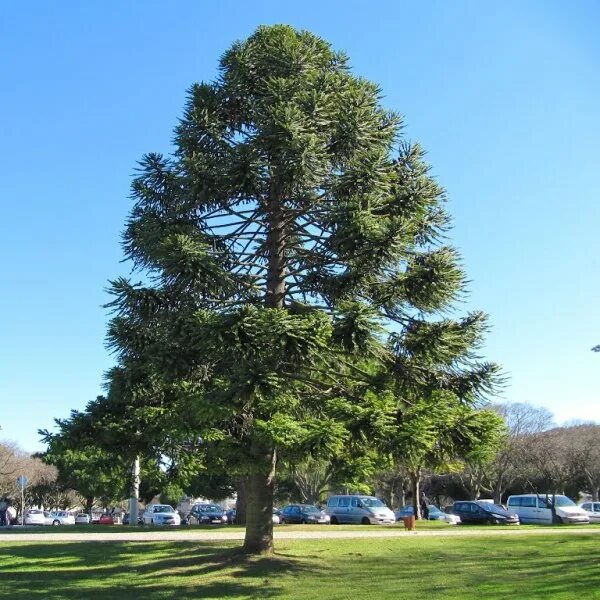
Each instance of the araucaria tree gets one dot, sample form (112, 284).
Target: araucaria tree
(289, 234)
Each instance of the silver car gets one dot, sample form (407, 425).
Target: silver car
(367, 510)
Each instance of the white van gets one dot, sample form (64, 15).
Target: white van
(359, 509)
(536, 508)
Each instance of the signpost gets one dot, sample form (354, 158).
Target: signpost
(22, 482)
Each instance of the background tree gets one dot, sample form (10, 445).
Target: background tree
(290, 228)
(584, 457)
(440, 433)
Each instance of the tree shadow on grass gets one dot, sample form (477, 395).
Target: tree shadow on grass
(179, 570)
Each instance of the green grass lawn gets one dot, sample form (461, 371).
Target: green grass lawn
(549, 566)
(421, 526)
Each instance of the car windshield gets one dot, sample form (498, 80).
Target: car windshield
(372, 502)
(210, 508)
(563, 501)
(164, 508)
(309, 508)
(492, 507)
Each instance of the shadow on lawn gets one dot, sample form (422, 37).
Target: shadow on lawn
(413, 568)
(71, 571)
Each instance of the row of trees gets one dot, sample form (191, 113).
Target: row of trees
(296, 291)
(529, 453)
(533, 456)
(42, 478)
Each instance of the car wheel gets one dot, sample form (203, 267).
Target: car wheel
(333, 521)
(56, 522)
(557, 520)
(365, 521)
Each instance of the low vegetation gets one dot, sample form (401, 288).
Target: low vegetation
(549, 566)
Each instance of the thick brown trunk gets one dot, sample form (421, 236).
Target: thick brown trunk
(259, 484)
(259, 502)
(240, 502)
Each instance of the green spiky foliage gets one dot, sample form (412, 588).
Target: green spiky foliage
(292, 260)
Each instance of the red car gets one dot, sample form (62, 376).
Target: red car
(106, 519)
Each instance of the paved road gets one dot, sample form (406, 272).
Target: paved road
(281, 534)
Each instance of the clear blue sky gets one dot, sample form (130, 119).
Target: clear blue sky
(505, 98)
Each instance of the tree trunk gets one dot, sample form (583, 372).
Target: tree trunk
(89, 504)
(259, 489)
(240, 502)
(595, 494)
(259, 502)
(134, 506)
(415, 488)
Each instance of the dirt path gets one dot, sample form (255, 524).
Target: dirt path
(281, 534)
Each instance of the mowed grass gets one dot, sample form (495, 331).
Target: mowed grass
(521, 567)
(421, 526)
(183, 528)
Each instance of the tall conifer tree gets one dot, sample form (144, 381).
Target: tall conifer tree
(293, 260)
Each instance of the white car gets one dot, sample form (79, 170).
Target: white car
(593, 510)
(82, 519)
(276, 518)
(35, 517)
(161, 514)
(60, 517)
(537, 509)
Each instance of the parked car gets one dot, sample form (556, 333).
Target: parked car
(483, 512)
(435, 514)
(161, 514)
(358, 509)
(61, 517)
(537, 508)
(106, 519)
(593, 511)
(140, 520)
(206, 513)
(303, 513)
(276, 517)
(35, 516)
(82, 519)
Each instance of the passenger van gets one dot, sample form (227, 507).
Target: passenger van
(537, 508)
(359, 509)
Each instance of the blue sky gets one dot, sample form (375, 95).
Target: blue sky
(504, 97)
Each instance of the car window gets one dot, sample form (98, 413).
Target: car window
(586, 506)
(371, 502)
(332, 502)
(344, 502)
(515, 501)
(543, 503)
(528, 502)
(354, 502)
(597, 507)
